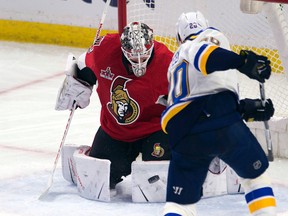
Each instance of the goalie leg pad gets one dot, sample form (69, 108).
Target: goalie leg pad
(68, 163)
(233, 182)
(215, 182)
(259, 196)
(149, 181)
(93, 176)
(216, 178)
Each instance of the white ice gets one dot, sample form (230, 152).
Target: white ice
(31, 132)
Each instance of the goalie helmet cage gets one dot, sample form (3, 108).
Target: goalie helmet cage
(264, 31)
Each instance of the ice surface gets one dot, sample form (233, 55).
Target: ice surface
(31, 132)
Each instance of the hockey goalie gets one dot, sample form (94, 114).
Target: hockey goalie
(130, 75)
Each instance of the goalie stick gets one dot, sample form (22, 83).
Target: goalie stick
(267, 129)
(50, 181)
(97, 36)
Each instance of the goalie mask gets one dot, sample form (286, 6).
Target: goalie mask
(137, 45)
(190, 24)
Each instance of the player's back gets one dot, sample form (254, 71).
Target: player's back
(188, 69)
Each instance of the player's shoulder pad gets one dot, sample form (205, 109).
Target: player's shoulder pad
(210, 32)
(215, 36)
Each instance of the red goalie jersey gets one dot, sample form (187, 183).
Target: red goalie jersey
(128, 103)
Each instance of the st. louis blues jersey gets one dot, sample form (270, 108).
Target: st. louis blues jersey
(188, 77)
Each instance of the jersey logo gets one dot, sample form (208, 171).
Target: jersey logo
(257, 164)
(158, 151)
(122, 107)
(177, 190)
(107, 74)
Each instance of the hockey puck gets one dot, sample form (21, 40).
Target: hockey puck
(153, 179)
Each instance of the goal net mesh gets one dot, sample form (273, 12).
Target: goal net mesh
(245, 31)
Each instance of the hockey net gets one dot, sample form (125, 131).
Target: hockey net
(265, 32)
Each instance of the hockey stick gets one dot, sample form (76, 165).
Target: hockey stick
(101, 22)
(267, 129)
(50, 181)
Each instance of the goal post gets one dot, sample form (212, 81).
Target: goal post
(122, 15)
(265, 32)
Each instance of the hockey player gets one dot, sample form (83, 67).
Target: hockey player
(204, 118)
(130, 71)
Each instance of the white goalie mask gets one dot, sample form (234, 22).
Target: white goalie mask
(137, 46)
(190, 24)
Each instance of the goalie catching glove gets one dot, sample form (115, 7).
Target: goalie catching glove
(73, 90)
(253, 109)
(256, 66)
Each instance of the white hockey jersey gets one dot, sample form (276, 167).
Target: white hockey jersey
(187, 75)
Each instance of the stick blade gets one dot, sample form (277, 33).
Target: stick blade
(43, 195)
(50, 182)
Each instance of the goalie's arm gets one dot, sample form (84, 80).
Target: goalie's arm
(77, 86)
(86, 75)
(83, 72)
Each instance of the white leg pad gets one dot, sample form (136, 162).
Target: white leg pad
(234, 185)
(68, 163)
(215, 184)
(219, 167)
(149, 182)
(93, 176)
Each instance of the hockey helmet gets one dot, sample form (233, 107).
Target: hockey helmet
(137, 45)
(190, 24)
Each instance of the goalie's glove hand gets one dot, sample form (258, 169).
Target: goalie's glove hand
(73, 90)
(256, 66)
(253, 109)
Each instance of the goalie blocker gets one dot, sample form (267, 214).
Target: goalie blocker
(149, 179)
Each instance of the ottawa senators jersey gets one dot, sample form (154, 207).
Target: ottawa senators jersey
(128, 103)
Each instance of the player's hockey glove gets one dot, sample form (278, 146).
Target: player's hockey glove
(256, 66)
(73, 90)
(253, 110)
